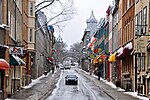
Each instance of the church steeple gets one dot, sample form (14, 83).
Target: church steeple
(92, 24)
(92, 18)
(59, 39)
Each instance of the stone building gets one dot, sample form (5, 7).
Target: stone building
(43, 44)
(141, 47)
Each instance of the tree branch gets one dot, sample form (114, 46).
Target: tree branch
(41, 4)
(44, 6)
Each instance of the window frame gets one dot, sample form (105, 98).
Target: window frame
(140, 22)
(31, 9)
(144, 19)
(31, 35)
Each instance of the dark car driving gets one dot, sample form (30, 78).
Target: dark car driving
(71, 79)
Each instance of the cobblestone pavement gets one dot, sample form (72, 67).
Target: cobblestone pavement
(39, 91)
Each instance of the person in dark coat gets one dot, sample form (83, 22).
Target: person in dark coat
(99, 74)
(53, 69)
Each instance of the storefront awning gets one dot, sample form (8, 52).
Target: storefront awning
(50, 60)
(112, 58)
(4, 65)
(15, 60)
(93, 39)
(95, 61)
(128, 48)
(119, 53)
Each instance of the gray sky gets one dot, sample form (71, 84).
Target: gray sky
(74, 29)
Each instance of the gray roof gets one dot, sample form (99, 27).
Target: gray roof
(92, 18)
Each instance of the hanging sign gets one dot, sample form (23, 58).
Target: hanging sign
(16, 50)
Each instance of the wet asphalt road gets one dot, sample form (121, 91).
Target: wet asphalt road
(85, 90)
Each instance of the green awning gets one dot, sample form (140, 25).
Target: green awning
(15, 60)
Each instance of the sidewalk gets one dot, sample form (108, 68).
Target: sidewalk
(40, 89)
(114, 93)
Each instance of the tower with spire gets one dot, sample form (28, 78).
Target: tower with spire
(59, 39)
(92, 24)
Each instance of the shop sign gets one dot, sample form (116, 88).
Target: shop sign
(16, 50)
(92, 56)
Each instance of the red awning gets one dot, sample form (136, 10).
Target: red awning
(127, 49)
(4, 65)
(50, 59)
(119, 54)
(93, 39)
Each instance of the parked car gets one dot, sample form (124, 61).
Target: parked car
(67, 67)
(71, 79)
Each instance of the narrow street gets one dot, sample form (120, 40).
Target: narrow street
(52, 87)
(85, 90)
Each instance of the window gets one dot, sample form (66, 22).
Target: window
(31, 9)
(138, 62)
(143, 61)
(136, 23)
(144, 19)
(140, 23)
(31, 35)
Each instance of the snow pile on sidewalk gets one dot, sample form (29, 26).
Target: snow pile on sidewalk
(134, 94)
(35, 81)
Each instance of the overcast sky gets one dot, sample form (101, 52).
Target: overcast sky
(74, 29)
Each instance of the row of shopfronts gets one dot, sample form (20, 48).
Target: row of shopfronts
(123, 40)
(12, 71)
(115, 68)
(124, 69)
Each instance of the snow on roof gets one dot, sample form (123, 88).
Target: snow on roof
(4, 60)
(120, 51)
(19, 60)
(1, 26)
(129, 45)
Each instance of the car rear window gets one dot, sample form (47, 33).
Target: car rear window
(71, 75)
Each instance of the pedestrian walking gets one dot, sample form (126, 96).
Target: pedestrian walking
(98, 73)
(53, 69)
(57, 66)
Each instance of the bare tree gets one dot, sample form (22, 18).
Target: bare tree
(60, 49)
(58, 11)
(76, 47)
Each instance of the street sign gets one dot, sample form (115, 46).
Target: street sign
(16, 50)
